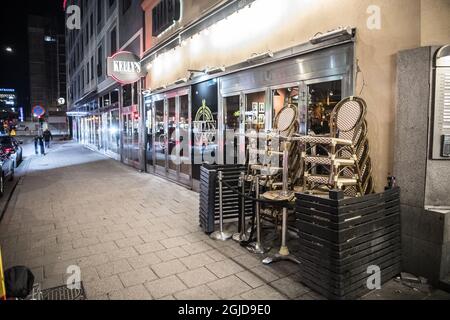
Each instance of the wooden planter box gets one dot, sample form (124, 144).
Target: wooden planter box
(340, 239)
(209, 196)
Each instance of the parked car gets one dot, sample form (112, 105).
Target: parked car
(8, 167)
(12, 146)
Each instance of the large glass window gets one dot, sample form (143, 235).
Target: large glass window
(106, 101)
(160, 134)
(150, 132)
(100, 102)
(114, 143)
(127, 95)
(135, 93)
(92, 68)
(135, 137)
(283, 97)
(255, 117)
(100, 62)
(115, 97)
(232, 126)
(322, 98)
(172, 125)
(91, 22)
(255, 121)
(113, 41)
(97, 132)
(185, 167)
(126, 4)
(99, 11)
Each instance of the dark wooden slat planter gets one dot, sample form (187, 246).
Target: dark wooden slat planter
(209, 195)
(340, 239)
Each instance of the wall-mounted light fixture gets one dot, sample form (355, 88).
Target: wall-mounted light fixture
(160, 88)
(260, 56)
(180, 81)
(195, 73)
(322, 37)
(214, 70)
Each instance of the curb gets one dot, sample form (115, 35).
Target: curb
(4, 204)
(6, 200)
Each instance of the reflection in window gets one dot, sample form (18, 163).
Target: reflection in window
(172, 125)
(185, 166)
(115, 97)
(283, 97)
(255, 116)
(127, 95)
(149, 125)
(322, 98)
(232, 126)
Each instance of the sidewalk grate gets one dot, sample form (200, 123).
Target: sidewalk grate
(64, 294)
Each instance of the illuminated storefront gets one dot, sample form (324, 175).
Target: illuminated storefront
(219, 69)
(219, 104)
(263, 52)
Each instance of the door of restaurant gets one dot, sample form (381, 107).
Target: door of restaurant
(130, 136)
(168, 134)
(321, 96)
(254, 111)
(130, 123)
(244, 116)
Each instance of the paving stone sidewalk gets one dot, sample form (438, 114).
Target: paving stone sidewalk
(134, 236)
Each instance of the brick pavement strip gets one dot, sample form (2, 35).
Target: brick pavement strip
(263, 293)
(229, 287)
(103, 286)
(165, 287)
(224, 268)
(134, 236)
(135, 277)
(198, 277)
(141, 261)
(166, 269)
(199, 293)
(197, 261)
(138, 292)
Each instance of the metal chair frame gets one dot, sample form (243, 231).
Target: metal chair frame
(338, 148)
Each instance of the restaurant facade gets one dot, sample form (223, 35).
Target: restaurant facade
(216, 69)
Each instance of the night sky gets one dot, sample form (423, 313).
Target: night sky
(13, 33)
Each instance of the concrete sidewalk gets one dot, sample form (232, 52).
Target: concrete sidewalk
(134, 236)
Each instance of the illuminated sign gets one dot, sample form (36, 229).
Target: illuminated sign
(38, 111)
(164, 15)
(125, 67)
(204, 125)
(21, 115)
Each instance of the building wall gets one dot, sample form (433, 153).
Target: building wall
(130, 22)
(191, 10)
(435, 22)
(46, 63)
(276, 25)
(81, 52)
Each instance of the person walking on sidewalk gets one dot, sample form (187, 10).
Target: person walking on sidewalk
(47, 137)
(39, 145)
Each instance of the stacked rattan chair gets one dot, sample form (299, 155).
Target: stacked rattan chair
(260, 159)
(340, 160)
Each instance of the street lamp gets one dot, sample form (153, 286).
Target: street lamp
(9, 49)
